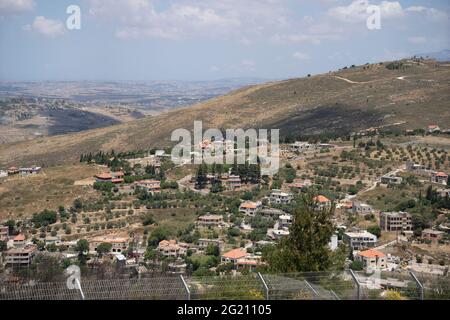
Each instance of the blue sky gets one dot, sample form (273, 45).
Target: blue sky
(210, 39)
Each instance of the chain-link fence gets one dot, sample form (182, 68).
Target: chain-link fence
(346, 285)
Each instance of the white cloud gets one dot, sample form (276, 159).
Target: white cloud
(300, 56)
(243, 20)
(430, 13)
(356, 11)
(12, 7)
(48, 27)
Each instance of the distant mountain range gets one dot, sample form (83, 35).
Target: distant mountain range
(406, 94)
(443, 55)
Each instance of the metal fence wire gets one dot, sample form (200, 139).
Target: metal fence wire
(345, 285)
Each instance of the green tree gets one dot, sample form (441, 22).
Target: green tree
(104, 248)
(375, 230)
(306, 247)
(3, 246)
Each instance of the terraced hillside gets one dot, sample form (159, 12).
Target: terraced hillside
(412, 95)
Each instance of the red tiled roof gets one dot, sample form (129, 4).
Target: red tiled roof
(104, 175)
(19, 237)
(321, 199)
(235, 254)
(371, 253)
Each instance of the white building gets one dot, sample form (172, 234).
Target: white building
(250, 208)
(361, 208)
(360, 240)
(280, 197)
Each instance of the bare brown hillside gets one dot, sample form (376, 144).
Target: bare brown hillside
(356, 98)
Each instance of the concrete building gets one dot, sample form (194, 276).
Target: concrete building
(280, 197)
(322, 202)
(233, 256)
(395, 221)
(4, 233)
(285, 221)
(29, 171)
(360, 240)
(118, 244)
(432, 235)
(210, 220)
(20, 257)
(151, 186)
(372, 259)
(361, 208)
(250, 208)
(204, 243)
(439, 177)
(390, 179)
(170, 248)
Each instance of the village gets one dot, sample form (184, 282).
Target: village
(390, 204)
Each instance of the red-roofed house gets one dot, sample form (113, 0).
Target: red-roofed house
(233, 256)
(250, 207)
(439, 177)
(19, 240)
(372, 259)
(432, 128)
(322, 202)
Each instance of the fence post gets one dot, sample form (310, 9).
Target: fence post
(188, 292)
(419, 285)
(358, 285)
(79, 288)
(266, 288)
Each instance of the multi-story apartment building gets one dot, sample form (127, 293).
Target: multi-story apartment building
(360, 240)
(395, 221)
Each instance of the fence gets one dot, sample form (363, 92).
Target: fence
(347, 285)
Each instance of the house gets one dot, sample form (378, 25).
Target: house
(53, 240)
(3, 173)
(433, 128)
(114, 177)
(210, 220)
(21, 257)
(118, 244)
(433, 235)
(322, 202)
(177, 267)
(395, 221)
(334, 242)
(19, 240)
(360, 240)
(204, 243)
(4, 233)
(301, 146)
(416, 168)
(280, 197)
(300, 184)
(170, 248)
(249, 263)
(276, 234)
(233, 182)
(250, 208)
(285, 221)
(439, 177)
(13, 170)
(372, 259)
(390, 179)
(29, 171)
(443, 192)
(233, 256)
(361, 208)
(151, 186)
(271, 213)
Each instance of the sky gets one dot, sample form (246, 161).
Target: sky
(139, 40)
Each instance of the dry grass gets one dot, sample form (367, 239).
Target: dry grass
(21, 197)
